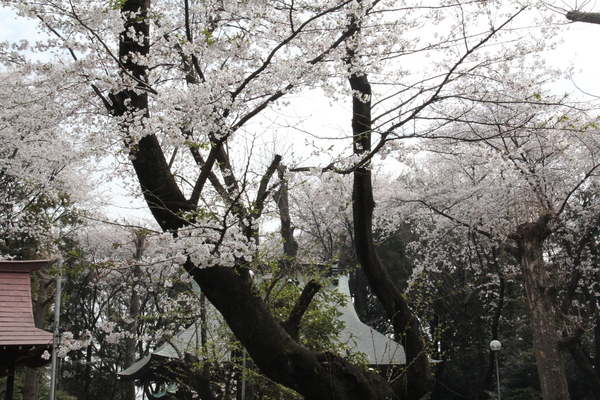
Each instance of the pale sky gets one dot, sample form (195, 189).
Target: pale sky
(577, 50)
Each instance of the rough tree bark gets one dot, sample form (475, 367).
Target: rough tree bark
(580, 16)
(417, 379)
(530, 238)
(277, 355)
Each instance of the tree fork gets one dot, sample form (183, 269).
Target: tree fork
(417, 379)
(315, 376)
(159, 188)
(275, 353)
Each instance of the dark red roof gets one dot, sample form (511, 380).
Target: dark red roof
(16, 318)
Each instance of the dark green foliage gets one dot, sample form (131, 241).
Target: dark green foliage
(456, 306)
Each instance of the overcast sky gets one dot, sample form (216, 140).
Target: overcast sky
(578, 49)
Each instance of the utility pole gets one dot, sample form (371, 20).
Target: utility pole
(56, 337)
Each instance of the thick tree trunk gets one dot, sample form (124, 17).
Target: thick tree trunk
(277, 355)
(160, 190)
(31, 384)
(530, 238)
(417, 379)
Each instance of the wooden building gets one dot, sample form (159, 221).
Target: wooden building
(21, 343)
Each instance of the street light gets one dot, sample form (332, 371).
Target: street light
(495, 346)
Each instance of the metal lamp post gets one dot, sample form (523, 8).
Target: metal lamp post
(495, 346)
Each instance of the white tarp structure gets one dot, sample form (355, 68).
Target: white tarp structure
(358, 337)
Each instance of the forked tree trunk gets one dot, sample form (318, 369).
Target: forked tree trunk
(277, 355)
(417, 378)
(315, 376)
(530, 238)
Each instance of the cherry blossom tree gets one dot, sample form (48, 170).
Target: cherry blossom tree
(179, 86)
(512, 177)
(321, 210)
(43, 192)
(40, 171)
(122, 297)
